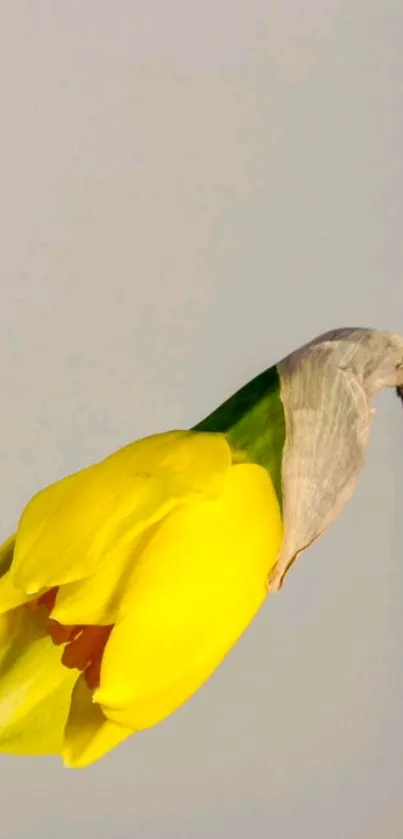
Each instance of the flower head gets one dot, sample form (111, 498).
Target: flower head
(127, 583)
(125, 586)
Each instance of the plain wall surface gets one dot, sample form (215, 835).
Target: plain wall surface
(188, 191)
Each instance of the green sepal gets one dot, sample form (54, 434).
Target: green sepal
(253, 422)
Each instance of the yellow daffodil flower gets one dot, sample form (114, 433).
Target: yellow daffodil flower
(127, 583)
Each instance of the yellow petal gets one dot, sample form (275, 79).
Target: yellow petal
(195, 588)
(96, 599)
(70, 528)
(35, 688)
(6, 554)
(88, 735)
(10, 597)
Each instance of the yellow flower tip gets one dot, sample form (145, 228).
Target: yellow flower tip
(88, 734)
(32, 589)
(69, 763)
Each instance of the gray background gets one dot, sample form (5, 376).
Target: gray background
(189, 190)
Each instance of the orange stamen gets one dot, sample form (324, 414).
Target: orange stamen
(48, 599)
(85, 651)
(61, 634)
(84, 645)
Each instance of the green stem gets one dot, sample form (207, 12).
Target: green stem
(253, 422)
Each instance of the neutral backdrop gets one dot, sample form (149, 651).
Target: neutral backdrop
(188, 191)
